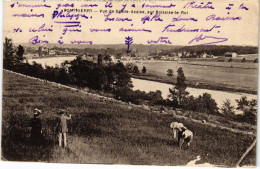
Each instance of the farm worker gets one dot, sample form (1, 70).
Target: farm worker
(185, 136)
(63, 127)
(177, 127)
(36, 128)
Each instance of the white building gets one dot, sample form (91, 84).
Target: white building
(230, 54)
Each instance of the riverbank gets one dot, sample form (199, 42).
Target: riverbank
(195, 83)
(200, 76)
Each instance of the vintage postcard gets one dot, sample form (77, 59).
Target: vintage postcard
(133, 82)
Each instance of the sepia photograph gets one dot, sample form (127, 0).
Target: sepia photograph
(136, 82)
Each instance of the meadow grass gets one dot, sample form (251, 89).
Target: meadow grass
(234, 79)
(102, 132)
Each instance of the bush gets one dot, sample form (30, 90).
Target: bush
(190, 103)
(130, 67)
(243, 60)
(138, 97)
(230, 60)
(156, 97)
(249, 107)
(203, 104)
(144, 69)
(169, 72)
(136, 70)
(227, 109)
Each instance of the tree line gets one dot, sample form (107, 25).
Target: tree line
(115, 79)
(111, 78)
(179, 97)
(219, 50)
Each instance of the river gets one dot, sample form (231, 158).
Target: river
(147, 86)
(218, 96)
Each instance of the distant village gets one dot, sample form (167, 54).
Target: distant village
(92, 55)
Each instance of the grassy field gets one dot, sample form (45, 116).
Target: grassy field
(101, 132)
(249, 60)
(199, 75)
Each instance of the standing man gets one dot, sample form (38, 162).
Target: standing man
(36, 128)
(63, 127)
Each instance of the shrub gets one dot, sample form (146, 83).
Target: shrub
(169, 72)
(249, 107)
(203, 104)
(144, 69)
(227, 109)
(230, 60)
(206, 104)
(136, 70)
(190, 103)
(243, 60)
(130, 67)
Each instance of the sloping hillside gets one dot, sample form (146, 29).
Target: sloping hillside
(105, 132)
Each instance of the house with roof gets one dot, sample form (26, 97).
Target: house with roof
(203, 55)
(231, 54)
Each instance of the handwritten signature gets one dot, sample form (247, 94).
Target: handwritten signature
(203, 37)
(160, 40)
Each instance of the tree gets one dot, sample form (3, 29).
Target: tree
(130, 67)
(99, 59)
(122, 79)
(206, 104)
(189, 103)
(122, 83)
(177, 93)
(136, 70)
(251, 113)
(227, 108)
(133, 55)
(169, 72)
(242, 103)
(8, 58)
(173, 98)
(180, 86)
(118, 55)
(243, 60)
(249, 109)
(230, 60)
(156, 97)
(20, 53)
(97, 78)
(144, 69)
(107, 58)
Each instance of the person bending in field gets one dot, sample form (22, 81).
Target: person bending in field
(176, 127)
(63, 127)
(36, 128)
(185, 136)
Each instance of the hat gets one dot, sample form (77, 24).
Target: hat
(62, 111)
(37, 111)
